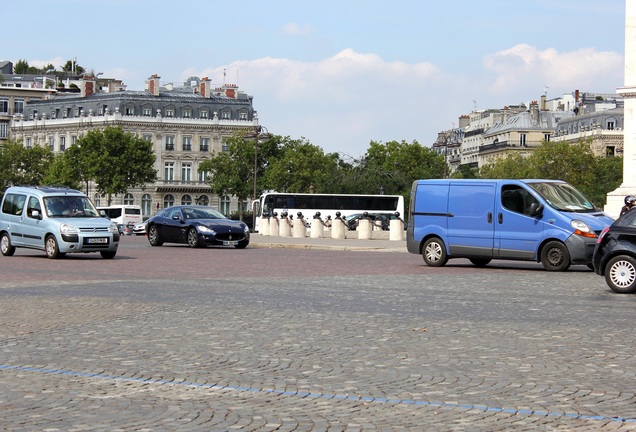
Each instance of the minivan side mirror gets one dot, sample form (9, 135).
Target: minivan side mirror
(35, 214)
(536, 209)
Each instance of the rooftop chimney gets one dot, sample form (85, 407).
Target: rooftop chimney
(204, 87)
(87, 86)
(153, 85)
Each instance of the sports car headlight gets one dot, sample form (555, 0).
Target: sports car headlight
(68, 229)
(205, 230)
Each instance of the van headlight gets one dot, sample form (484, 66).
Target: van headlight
(582, 229)
(68, 229)
(113, 228)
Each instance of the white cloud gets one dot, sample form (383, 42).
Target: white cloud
(296, 29)
(585, 68)
(343, 102)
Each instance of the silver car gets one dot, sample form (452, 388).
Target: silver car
(56, 220)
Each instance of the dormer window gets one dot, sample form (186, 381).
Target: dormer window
(169, 112)
(187, 113)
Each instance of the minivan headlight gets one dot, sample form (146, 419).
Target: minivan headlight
(582, 229)
(113, 228)
(68, 229)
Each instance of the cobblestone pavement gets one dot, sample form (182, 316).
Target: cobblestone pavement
(280, 339)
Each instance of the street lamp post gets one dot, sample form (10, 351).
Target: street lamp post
(260, 134)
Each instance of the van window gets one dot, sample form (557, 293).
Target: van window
(13, 204)
(517, 199)
(34, 204)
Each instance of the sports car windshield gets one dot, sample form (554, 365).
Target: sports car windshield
(202, 213)
(564, 197)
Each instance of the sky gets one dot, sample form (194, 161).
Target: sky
(338, 73)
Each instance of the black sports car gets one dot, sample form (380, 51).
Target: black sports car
(197, 226)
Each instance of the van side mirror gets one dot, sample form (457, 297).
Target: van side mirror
(536, 209)
(102, 213)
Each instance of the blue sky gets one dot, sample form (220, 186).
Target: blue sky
(339, 73)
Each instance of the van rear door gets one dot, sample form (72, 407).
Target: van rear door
(471, 230)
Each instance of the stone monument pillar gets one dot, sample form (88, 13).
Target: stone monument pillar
(615, 199)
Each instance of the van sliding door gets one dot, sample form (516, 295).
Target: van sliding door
(471, 219)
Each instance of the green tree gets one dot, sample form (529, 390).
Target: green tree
(115, 160)
(298, 166)
(395, 165)
(573, 163)
(21, 67)
(72, 67)
(232, 172)
(22, 165)
(514, 166)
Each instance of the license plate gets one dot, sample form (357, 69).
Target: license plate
(230, 243)
(100, 240)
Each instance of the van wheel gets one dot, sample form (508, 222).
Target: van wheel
(555, 256)
(620, 274)
(108, 254)
(51, 248)
(153, 236)
(480, 262)
(434, 252)
(6, 247)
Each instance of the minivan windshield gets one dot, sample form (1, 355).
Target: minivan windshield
(563, 197)
(69, 206)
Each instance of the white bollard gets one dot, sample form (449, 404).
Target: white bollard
(273, 226)
(338, 229)
(285, 227)
(316, 228)
(299, 228)
(364, 229)
(396, 230)
(264, 226)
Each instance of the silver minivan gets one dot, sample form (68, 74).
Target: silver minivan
(56, 220)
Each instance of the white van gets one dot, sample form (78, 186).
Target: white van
(123, 214)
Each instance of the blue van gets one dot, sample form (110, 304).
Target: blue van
(546, 221)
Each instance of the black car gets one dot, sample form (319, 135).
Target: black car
(196, 226)
(615, 254)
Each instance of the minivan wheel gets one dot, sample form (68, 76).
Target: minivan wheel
(51, 248)
(555, 256)
(434, 252)
(620, 274)
(6, 247)
(108, 254)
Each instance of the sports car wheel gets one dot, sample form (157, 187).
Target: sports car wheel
(153, 236)
(193, 238)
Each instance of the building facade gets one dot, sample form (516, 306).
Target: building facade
(185, 125)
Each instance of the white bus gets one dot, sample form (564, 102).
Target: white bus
(326, 204)
(123, 214)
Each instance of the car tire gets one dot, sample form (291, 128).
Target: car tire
(480, 262)
(193, 238)
(555, 256)
(434, 252)
(620, 274)
(51, 248)
(153, 236)
(108, 254)
(6, 247)
(242, 245)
